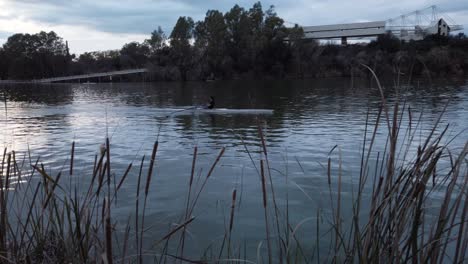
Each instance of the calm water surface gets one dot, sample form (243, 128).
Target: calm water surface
(310, 118)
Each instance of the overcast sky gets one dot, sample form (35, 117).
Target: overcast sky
(91, 25)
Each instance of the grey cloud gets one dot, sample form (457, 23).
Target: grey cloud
(109, 16)
(120, 17)
(145, 15)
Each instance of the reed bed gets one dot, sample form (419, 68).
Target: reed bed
(44, 221)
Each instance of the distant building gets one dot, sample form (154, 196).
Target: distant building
(441, 28)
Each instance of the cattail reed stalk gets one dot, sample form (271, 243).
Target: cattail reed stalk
(28, 187)
(460, 250)
(461, 232)
(363, 169)
(172, 232)
(262, 172)
(3, 160)
(382, 96)
(148, 181)
(29, 215)
(79, 217)
(226, 235)
(231, 221)
(72, 157)
(137, 205)
(45, 177)
(213, 166)
(108, 162)
(108, 231)
(150, 172)
(362, 180)
(101, 179)
(16, 171)
(94, 164)
(329, 184)
(338, 209)
(7, 176)
(3, 211)
(192, 174)
(371, 144)
(444, 209)
(262, 139)
(103, 213)
(51, 193)
(124, 177)
(393, 142)
(125, 239)
(288, 223)
(96, 169)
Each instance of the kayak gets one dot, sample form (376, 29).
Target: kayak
(221, 111)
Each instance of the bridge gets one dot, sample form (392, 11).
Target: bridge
(411, 26)
(90, 76)
(344, 31)
(420, 23)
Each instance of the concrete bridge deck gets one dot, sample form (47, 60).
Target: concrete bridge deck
(344, 31)
(88, 76)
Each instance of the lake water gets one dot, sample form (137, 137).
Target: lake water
(310, 118)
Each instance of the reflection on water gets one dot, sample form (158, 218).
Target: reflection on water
(310, 118)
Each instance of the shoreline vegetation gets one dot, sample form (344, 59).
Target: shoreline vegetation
(417, 212)
(243, 43)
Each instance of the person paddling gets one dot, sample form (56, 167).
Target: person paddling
(211, 103)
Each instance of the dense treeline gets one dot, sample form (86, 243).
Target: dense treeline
(241, 43)
(26, 56)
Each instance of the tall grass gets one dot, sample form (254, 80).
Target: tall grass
(44, 221)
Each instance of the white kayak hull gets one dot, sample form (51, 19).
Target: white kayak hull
(221, 111)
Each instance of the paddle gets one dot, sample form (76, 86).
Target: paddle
(177, 111)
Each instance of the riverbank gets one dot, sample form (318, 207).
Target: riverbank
(238, 44)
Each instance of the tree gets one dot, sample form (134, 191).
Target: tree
(50, 43)
(233, 23)
(182, 33)
(36, 56)
(3, 64)
(238, 32)
(461, 35)
(275, 52)
(181, 52)
(387, 42)
(157, 40)
(274, 29)
(134, 54)
(211, 36)
(19, 44)
(97, 61)
(256, 18)
(243, 34)
(86, 63)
